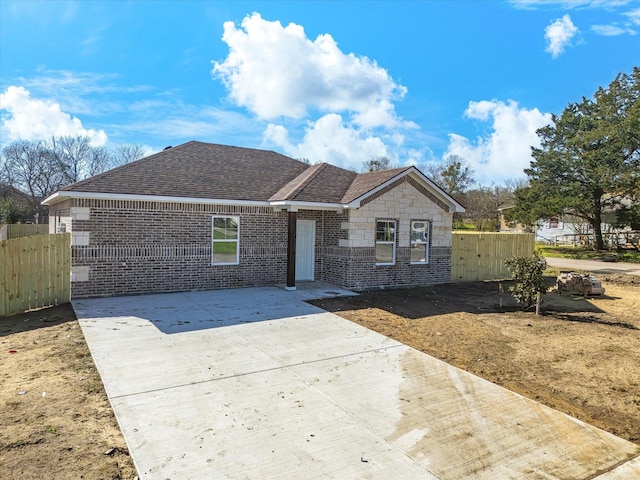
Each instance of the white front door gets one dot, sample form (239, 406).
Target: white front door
(305, 249)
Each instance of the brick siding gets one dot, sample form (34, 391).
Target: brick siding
(132, 247)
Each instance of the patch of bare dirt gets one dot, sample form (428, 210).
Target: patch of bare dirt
(581, 356)
(55, 419)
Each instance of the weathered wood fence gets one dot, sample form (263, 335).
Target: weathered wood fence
(22, 230)
(35, 272)
(481, 255)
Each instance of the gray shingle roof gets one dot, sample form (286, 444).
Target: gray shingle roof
(220, 172)
(320, 183)
(365, 182)
(199, 170)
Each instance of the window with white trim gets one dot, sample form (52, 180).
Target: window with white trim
(385, 242)
(419, 242)
(225, 241)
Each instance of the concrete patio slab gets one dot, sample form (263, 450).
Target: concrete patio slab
(255, 383)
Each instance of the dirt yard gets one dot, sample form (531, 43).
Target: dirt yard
(55, 419)
(581, 356)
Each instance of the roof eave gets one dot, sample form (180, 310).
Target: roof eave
(63, 195)
(292, 205)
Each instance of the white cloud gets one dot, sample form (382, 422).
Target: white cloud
(634, 16)
(506, 151)
(559, 34)
(612, 30)
(32, 119)
(276, 71)
(330, 140)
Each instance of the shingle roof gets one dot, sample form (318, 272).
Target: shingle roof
(220, 172)
(365, 182)
(199, 170)
(320, 183)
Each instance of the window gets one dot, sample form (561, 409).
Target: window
(225, 241)
(554, 222)
(385, 242)
(419, 242)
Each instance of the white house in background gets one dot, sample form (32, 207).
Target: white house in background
(548, 230)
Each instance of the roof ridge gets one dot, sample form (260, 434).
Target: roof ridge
(295, 186)
(387, 175)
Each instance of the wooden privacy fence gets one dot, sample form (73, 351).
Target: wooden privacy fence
(481, 255)
(35, 272)
(22, 230)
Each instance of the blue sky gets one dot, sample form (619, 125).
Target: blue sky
(334, 81)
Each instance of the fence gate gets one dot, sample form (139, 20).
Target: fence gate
(479, 256)
(35, 272)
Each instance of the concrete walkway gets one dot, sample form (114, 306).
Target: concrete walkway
(594, 266)
(256, 384)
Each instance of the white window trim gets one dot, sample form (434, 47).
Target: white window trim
(425, 243)
(237, 240)
(392, 243)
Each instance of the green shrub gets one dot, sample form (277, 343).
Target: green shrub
(529, 282)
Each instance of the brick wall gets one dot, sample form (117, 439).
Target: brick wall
(128, 247)
(144, 247)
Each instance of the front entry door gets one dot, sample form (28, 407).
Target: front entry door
(305, 249)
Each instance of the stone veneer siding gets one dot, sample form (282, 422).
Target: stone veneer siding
(403, 202)
(131, 247)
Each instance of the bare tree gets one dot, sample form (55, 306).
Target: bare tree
(39, 168)
(126, 153)
(73, 155)
(377, 164)
(483, 204)
(101, 160)
(30, 167)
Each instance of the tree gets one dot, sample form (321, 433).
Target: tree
(72, 155)
(376, 164)
(30, 167)
(126, 153)
(589, 158)
(454, 176)
(39, 168)
(483, 204)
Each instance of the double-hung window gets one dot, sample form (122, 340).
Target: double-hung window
(385, 242)
(419, 242)
(225, 241)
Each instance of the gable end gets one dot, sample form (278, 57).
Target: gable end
(411, 182)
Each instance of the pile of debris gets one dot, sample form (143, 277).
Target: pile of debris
(573, 283)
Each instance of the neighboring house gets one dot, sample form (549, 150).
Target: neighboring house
(567, 229)
(205, 216)
(554, 229)
(18, 210)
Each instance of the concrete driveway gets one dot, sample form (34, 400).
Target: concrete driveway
(257, 384)
(594, 266)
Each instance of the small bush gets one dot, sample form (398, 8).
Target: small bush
(529, 282)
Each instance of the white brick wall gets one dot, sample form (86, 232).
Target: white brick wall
(404, 203)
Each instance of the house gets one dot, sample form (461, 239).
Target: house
(571, 230)
(206, 216)
(17, 206)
